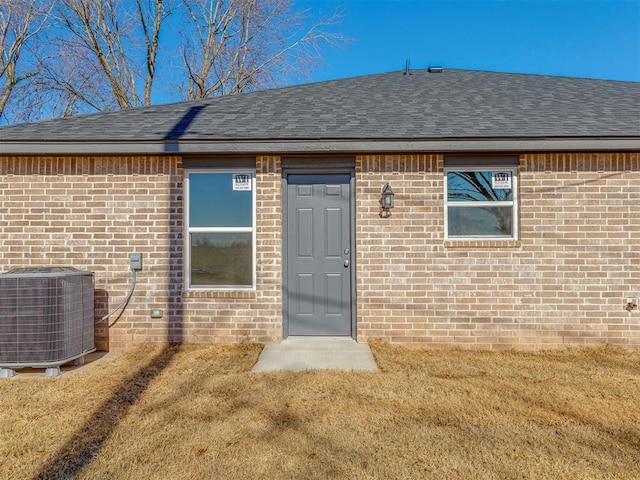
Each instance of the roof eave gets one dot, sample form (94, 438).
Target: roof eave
(265, 146)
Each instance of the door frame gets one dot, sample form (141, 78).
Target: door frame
(286, 172)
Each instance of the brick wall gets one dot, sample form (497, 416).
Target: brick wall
(90, 213)
(565, 282)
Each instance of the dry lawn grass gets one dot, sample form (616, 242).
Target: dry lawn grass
(195, 412)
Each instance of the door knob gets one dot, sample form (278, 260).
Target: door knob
(346, 263)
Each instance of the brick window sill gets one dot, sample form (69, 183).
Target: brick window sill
(482, 243)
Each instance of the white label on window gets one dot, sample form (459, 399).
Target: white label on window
(500, 180)
(242, 182)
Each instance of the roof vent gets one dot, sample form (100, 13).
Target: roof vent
(435, 69)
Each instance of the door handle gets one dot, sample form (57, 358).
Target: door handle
(346, 263)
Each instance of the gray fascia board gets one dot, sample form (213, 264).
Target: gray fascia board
(264, 147)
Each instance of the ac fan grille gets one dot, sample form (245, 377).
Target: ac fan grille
(45, 320)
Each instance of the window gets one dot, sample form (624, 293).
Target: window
(220, 212)
(481, 202)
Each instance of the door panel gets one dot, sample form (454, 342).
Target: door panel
(305, 287)
(334, 243)
(334, 291)
(319, 255)
(304, 240)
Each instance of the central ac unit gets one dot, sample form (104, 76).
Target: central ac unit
(46, 317)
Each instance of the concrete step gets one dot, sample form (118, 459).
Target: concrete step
(304, 353)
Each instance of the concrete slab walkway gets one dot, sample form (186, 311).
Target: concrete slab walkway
(304, 353)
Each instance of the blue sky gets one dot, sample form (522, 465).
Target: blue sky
(582, 38)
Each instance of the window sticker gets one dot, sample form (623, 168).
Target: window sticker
(242, 182)
(501, 180)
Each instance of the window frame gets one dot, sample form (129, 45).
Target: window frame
(513, 203)
(188, 230)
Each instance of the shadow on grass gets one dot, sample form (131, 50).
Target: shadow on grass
(571, 417)
(271, 421)
(86, 443)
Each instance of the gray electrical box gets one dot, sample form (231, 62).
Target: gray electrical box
(135, 259)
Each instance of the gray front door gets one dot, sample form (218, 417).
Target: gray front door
(318, 281)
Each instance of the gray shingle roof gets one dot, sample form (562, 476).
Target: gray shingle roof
(454, 104)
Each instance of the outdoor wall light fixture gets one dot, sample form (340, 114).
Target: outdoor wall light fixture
(386, 201)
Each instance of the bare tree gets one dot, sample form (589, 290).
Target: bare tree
(21, 21)
(242, 45)
(105, 55)
(104, 50)
(152, 14)
(99, 35)
(73, 82)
